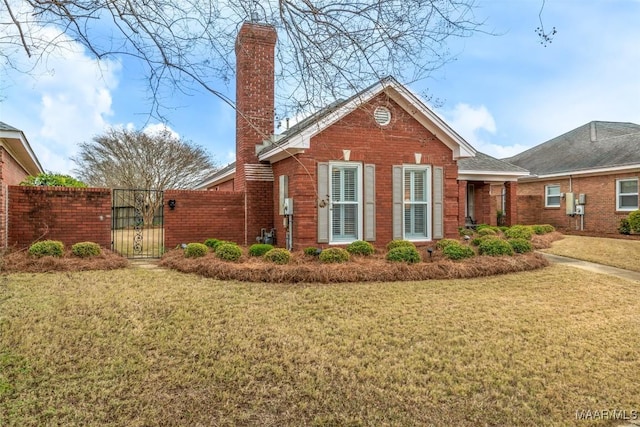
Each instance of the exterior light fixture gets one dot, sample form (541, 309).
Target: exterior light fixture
(346, 155)
(430, 252)
(172, 204)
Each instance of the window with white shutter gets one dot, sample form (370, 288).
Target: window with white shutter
(345, 202)
(416, 203)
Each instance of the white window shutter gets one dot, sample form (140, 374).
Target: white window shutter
(438, 205)
(370, 203)
(397, 202)
(323, 202)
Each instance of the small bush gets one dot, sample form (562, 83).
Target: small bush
(86, 249)
(476, 241)
(259, 249)
(503, 228)
(520, 246)
(195, 250)
(519, 232)
(548, 228)
(624, 227)
(495, 247)
(334, 255)
(446, 242)
(312, 251)
(47, 248)
(360, 247)
(458, 251)
(399, 243)
(487, 231)
(634, 221)
(228, 251)
(278, 256)
(212, 243)
(408, 254)
(465, 232)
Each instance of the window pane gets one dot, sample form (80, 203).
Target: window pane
(630, 186)
(553, 201)
(349, 185)
(336, 185)
(419, 187)
(415, 220)
(629, 202)
(553, 190)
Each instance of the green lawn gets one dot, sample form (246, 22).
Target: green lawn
(138, 348)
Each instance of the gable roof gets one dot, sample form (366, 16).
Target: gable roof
(487, 168)
(16, 144)
(298, 138)
(594, 147)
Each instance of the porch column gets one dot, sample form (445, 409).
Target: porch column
(462, 202)
(511, 202)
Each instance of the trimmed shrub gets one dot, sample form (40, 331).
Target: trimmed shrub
(408, 254)
(487, 231)
(47, 248)
(360, 247)
(519, 232)
(548, 228)
(503, 228)
(399, 243)
(312, 251)
(634, 221)
(624, 227)
(476, 241)
(462, 231)
(278, 256)
(520, 246)
(334, 255)
(228, 251)
(495, 247)
(458, 251)
(212, 243)
(259, 249)
(446, 242)
(195, 250)
(86, 249)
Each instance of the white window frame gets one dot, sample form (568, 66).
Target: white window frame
(358, 203)
(619, 194)
(547, 195)
(429, 205)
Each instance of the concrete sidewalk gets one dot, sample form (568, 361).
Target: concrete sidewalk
(592, 266)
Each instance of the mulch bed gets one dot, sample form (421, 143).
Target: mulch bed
(21, 262)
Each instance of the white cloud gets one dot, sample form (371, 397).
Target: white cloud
(158, 128)
(63, 101)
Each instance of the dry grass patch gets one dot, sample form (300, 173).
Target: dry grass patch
(614, 252)
(136, 348)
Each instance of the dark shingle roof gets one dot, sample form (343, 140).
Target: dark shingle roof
(4, 126)
(591, 146)
(484, 162)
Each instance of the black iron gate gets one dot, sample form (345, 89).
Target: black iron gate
(137, 223)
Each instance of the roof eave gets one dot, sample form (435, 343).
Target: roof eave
(21, 149)
(496, 176)
(217, 180)
(593, 171)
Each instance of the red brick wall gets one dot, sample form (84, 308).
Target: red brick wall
(11, 173)
(511, 203)
(394, 144)
(70, 215)
(255, 80)
(200, 215)
(225, 186)
(600, 210)
(258, 196)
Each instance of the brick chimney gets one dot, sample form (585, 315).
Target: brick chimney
(255, 75)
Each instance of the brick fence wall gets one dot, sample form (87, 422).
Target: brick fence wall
(199, 215)
(74, 215)
(70, 215)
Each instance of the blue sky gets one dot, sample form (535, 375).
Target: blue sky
(504, 93)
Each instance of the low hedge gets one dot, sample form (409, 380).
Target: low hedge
(408, 254)
(86, 249)
(47, 248)
(278, 256)
(195, 250)
(228, 251)
(458, 251)
(259, 249)
(334, 255)
(360, 247)
(495, 247)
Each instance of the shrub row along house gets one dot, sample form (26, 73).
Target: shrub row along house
(378, 166)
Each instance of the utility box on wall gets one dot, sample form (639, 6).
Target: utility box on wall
(570, 200)
(287, 206)
(582, 199)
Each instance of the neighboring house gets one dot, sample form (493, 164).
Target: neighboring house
(17, 161)
(599, 160)
(378, 166)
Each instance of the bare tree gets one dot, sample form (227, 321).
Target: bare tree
(133, 159)
(327, 48)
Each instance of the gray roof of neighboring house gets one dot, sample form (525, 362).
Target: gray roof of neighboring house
(594, 145)
(4, 126)
(484, 162)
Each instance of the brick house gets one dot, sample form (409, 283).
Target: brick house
(585, 179)
(17, 161)
(377, 166)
